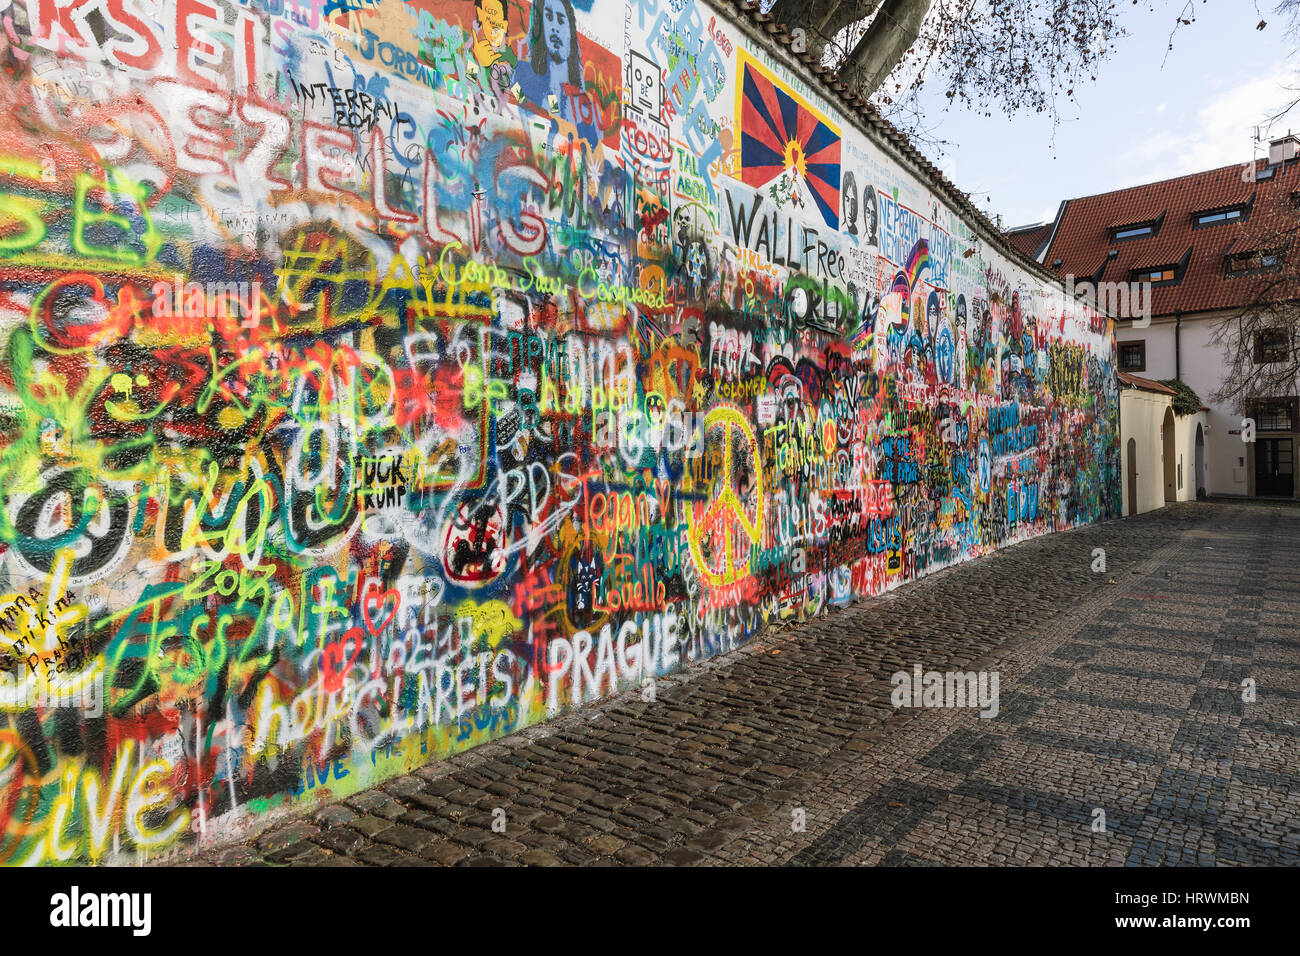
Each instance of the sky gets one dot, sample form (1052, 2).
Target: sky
(1140, 122)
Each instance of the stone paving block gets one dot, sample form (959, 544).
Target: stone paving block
(235, 856)
(445, 852)
(370, 826)
(379, 855)
(305, 853)
(405, 837)
(376, 802)
(636, 855)
(540, 858)
(336, 814)
(286, 836)
(340, 840)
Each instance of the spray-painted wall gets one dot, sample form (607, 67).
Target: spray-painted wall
(379, 378)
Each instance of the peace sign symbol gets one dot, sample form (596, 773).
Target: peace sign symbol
(985, 465)
(726, 516)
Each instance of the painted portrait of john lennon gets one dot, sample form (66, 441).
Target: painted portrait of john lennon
(869, 214)
(849, 198)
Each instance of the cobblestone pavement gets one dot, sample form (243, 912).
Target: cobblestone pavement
(1120, 692)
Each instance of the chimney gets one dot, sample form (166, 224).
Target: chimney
(1284, 149)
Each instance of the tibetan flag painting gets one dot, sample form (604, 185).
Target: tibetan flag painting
(782, 136)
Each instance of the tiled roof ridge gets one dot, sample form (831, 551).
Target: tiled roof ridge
(1167, 179)
(1145, 384)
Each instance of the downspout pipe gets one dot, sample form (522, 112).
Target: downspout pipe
(1178, 344)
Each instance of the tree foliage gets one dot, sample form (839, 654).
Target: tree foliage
(1186, 401)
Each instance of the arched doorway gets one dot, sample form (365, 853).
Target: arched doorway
(1131, 476)
(1168, 453)
(1200, 478)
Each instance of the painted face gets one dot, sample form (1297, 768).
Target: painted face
(555, 31)
(494, 22)
(850, 209)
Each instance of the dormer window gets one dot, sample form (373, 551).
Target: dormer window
(1213, 217)
(1133, 232)
(1245, 263)
(1141, 229)
(1157, 276)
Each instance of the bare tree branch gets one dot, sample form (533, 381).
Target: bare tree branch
(1008, 55)
(1261, 339)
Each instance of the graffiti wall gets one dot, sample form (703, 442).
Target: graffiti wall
(380, 378)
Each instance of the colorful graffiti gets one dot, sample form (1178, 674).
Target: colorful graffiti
(382, 378)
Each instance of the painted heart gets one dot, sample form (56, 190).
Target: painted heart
(373, 596)
(331, 659)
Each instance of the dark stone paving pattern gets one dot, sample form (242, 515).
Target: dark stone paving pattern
(1120, 692)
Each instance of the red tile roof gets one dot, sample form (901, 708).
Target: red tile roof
(1028, 239)
(1082, 238)
(1156, 253)
(1145, 384)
